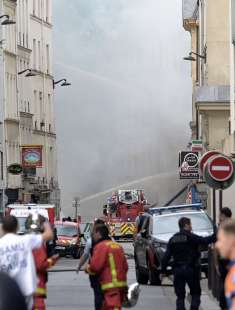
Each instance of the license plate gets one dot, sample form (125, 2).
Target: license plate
(60, 248)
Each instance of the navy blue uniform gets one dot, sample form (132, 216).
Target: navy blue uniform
(183, 247)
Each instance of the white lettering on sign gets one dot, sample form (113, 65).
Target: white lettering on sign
(25, 212)
(220, 168)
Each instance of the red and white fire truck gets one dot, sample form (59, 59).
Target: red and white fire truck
(121, 211)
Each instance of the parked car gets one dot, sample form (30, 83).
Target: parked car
(161, 224)
(68, 239)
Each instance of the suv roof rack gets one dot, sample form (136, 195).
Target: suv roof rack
(172, 209)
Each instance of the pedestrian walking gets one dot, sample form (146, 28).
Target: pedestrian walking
(16, 256)
(221, 263)
(183, 247)
(11, 296)
(142, 220)
(109, 263)
(226, 246)
(94, 280)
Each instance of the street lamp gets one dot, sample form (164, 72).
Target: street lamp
(29, 74)
(7, 20)
(191, 58)
(65, 83)
(76, 206)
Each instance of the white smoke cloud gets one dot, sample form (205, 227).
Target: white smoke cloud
(126, 114)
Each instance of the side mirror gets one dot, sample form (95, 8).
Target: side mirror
(81, 235)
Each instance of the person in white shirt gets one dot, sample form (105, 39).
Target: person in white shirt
(16, 258)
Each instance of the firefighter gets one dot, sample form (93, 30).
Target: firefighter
(109, 263)
(42, 264)
(184, 248)
(226, 246)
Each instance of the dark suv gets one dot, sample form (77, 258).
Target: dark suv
(157, 228)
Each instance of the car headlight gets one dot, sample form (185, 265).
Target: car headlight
(73, 241)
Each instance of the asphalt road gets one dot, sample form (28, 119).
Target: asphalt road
(69, 291)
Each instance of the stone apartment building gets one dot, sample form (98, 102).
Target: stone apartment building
(27, 103)
(210, 24)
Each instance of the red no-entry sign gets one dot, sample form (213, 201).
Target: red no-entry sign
(220, 168)
(205, 158)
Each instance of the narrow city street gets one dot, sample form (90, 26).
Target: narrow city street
(67, 290)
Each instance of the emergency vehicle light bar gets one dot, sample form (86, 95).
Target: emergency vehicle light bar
(195, 206)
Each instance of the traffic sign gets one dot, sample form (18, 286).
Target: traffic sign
(220, 168)
(188, 163)
(205, 158)
(216, 184)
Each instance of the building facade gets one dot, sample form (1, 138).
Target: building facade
(210, 26)
(28, 102)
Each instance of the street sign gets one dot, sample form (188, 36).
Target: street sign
(188, 162)
(220, 168)
(205, 158)
(216, 184)
(197, 146)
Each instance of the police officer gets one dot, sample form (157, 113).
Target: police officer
(183, 247)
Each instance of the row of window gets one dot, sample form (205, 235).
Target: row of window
(38, 57)
(41, 9)
(23, 22)
(42, 126)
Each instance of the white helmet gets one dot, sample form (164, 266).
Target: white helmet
(132, 296)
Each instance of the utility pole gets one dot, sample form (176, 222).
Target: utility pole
(76, 206)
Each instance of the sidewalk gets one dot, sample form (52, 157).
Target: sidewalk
(208, 302)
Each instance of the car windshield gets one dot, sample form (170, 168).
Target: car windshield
(169, 224)
(68, 231)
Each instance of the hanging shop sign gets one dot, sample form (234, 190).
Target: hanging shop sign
(32, 156)
(15, 169)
